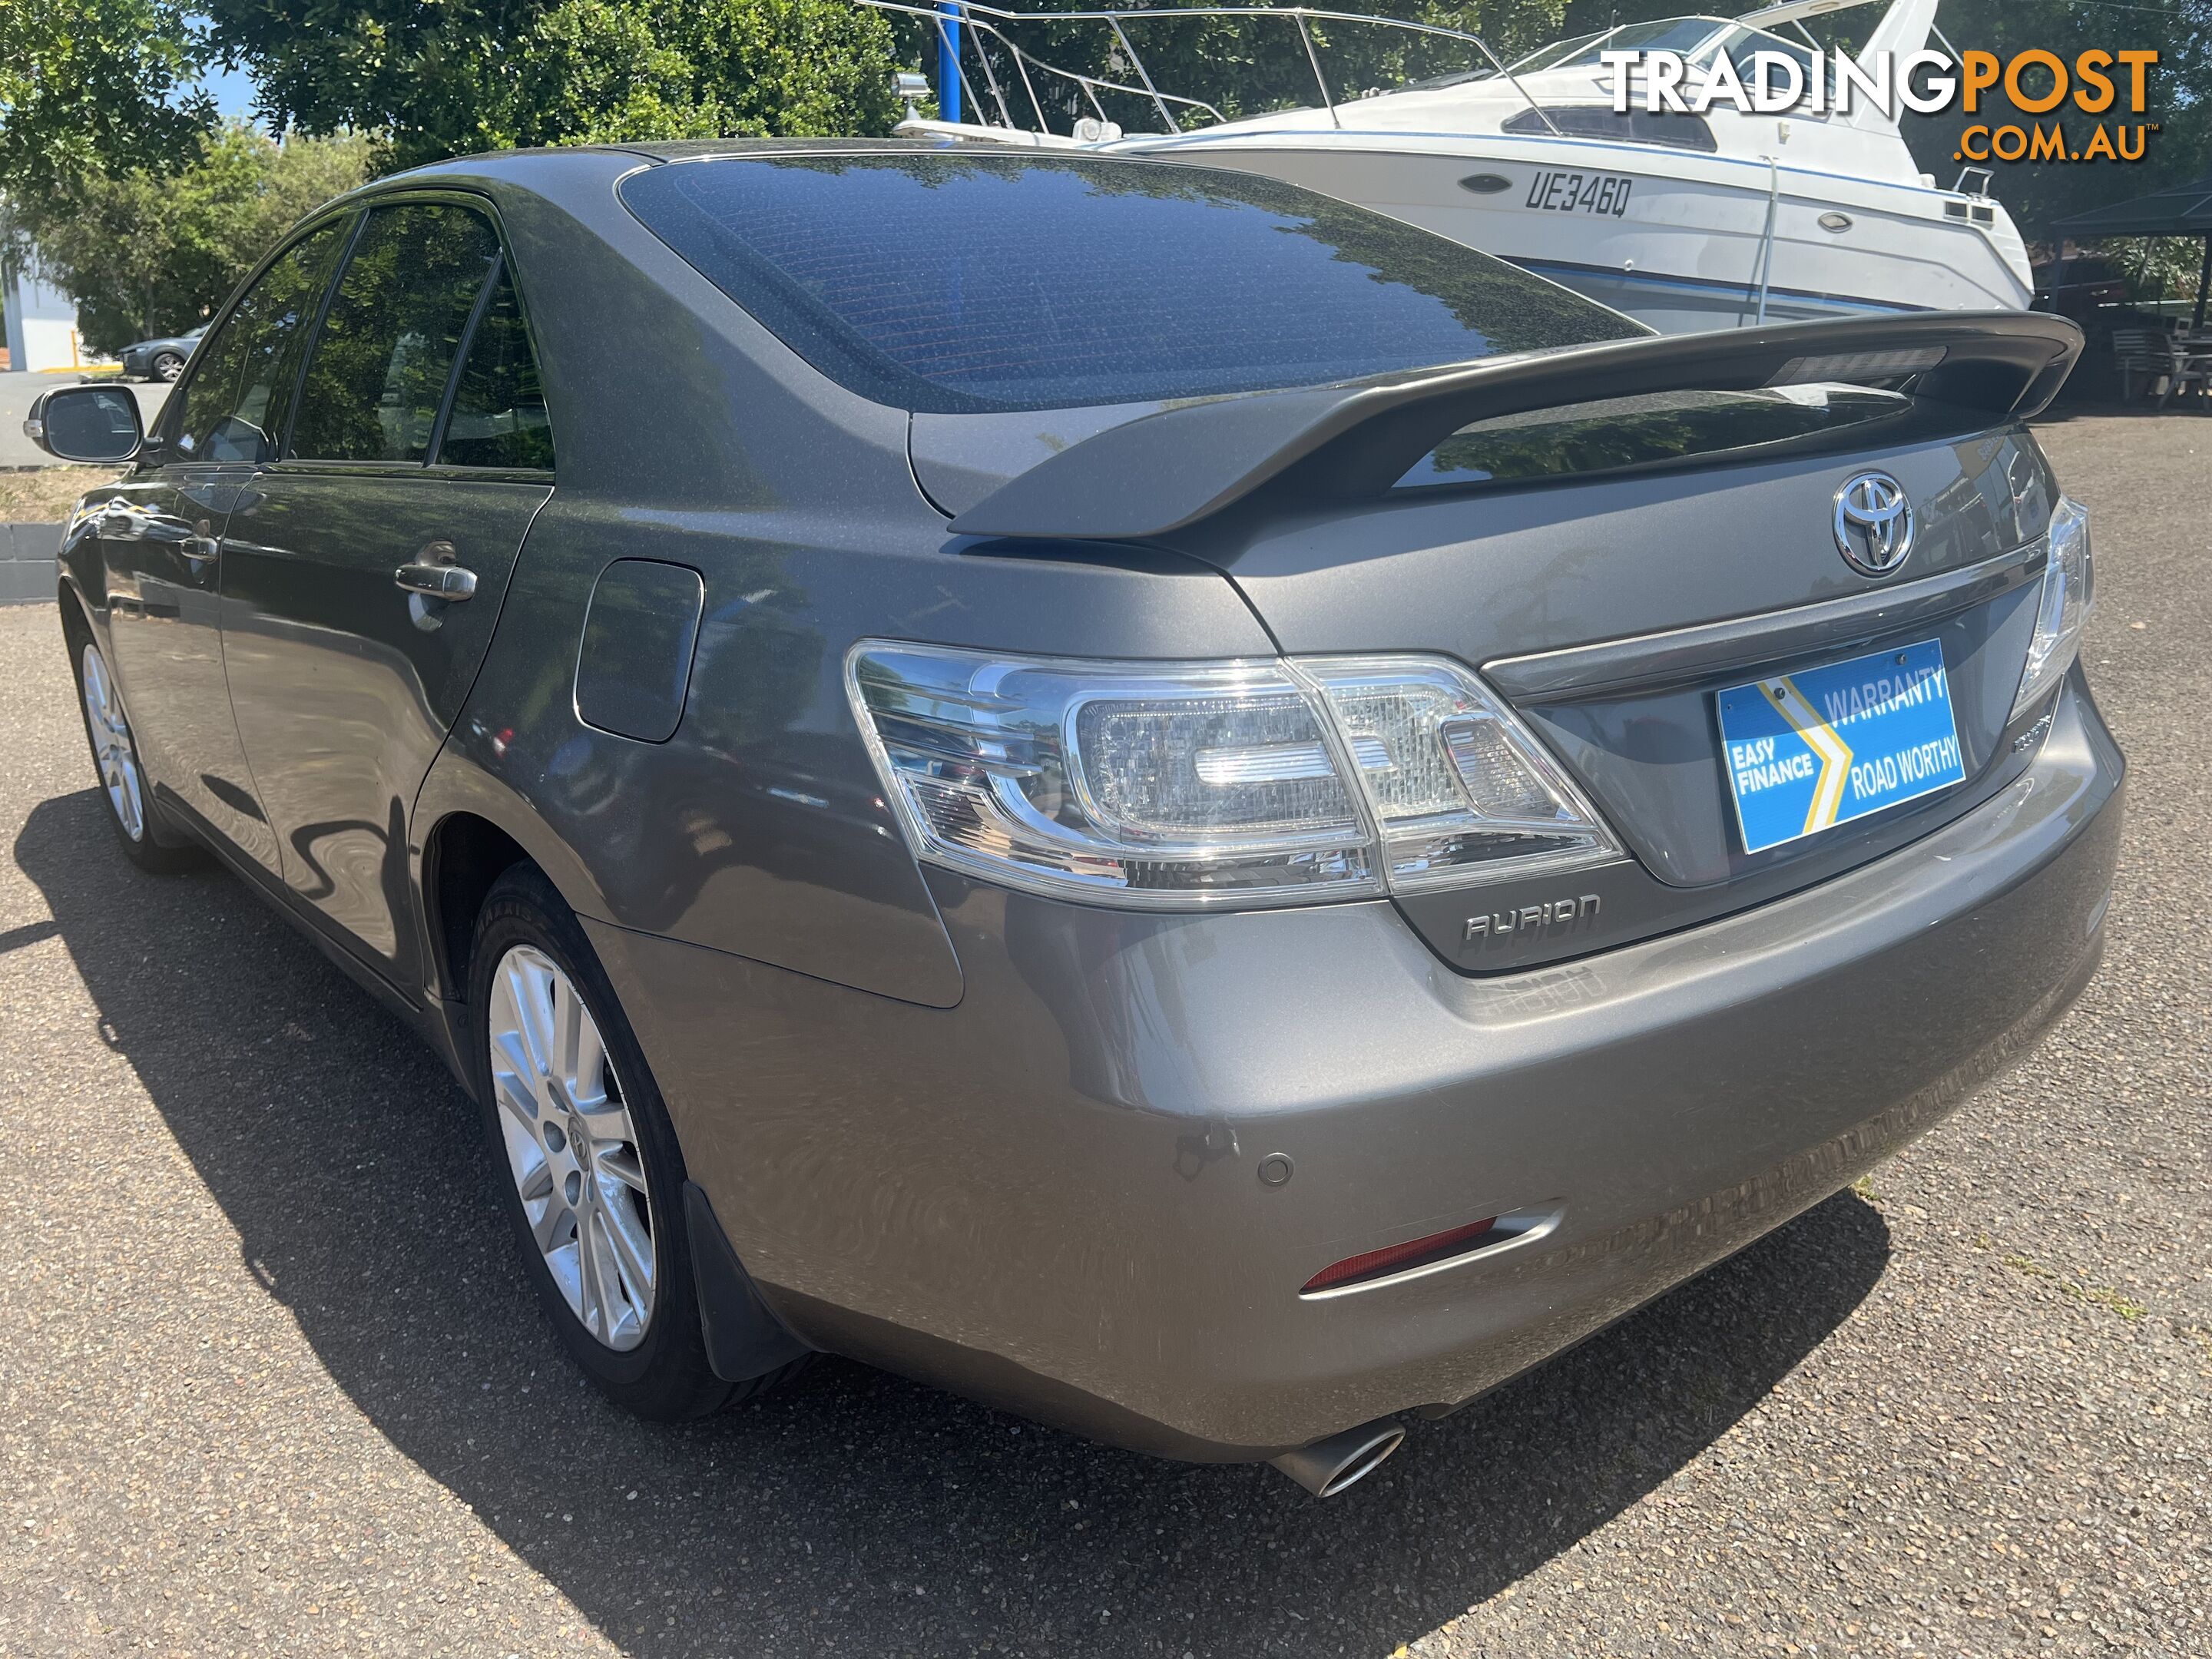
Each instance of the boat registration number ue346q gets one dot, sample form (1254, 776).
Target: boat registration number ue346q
(1807, 751)
(1552, 192)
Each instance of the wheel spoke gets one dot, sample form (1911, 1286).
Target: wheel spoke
(596, 1310)
(536, 1185)
(533, 1014)
(587, 1086)
(608, 1120)
(517, 1079)
(618, 1164)
(632, 1248)
(555, 1228)
(569, 1021)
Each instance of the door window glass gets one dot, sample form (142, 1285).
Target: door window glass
(498, 407)
(275, 319)
(233, 405)
(379, 370)
(205, 399)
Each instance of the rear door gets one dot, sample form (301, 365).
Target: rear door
(364, 569)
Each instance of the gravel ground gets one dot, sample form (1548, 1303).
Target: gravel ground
(272, 1384)
(44, 495)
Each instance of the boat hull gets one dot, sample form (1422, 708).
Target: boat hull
(1680, 245)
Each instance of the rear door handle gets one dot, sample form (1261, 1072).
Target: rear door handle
(435, 576)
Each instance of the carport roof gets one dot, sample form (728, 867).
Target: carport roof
(2177, 211)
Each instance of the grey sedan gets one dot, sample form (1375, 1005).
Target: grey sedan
(1137, 792)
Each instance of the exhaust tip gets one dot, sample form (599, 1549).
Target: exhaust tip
(1328, 1467)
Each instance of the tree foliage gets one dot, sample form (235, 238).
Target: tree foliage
(477, 75)
(93, 86)
(147, 253)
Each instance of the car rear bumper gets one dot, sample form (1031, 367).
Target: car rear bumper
(1051, 1196)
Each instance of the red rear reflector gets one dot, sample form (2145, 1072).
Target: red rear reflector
(1396, 1258)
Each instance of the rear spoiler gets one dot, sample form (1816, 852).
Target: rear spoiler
(1164, 471)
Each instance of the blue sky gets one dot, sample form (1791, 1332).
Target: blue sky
(233, 90)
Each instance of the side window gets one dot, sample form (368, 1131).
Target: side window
(205, 399)
(379, 369)
(234, 406)
(498, 407)
(276, 318)
(1599, 121)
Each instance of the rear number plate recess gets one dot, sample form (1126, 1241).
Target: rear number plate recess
(1807, 751)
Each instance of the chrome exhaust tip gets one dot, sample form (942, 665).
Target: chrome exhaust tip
(1328, 1467)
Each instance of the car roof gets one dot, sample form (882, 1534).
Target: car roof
(693, 150)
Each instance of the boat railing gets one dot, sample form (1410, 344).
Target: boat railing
(1024, 62)
(982, 18)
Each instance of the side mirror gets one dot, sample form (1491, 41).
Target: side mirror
(95, 423)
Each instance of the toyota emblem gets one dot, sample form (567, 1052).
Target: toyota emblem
(1873, 524)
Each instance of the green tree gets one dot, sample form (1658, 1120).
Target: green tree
(146, 252)
(475, 75)
(93, 86)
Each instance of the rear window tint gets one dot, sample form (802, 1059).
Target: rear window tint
(1619, 433)
(963, 283)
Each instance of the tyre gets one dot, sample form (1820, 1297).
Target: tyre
(586, 1160)
(147, 840)
(167, 366)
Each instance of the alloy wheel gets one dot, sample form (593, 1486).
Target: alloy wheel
(571, 1147)
(112, 749)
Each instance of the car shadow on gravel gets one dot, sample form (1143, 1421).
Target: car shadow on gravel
(855, 1510)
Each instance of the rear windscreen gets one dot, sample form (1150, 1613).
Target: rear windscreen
(960, 284)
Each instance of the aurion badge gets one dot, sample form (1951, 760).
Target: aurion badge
(1873, 523)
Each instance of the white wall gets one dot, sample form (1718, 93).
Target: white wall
(41, 323)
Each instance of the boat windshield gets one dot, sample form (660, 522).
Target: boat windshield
(1682, 34)
(1743, 44)
(1699, 39)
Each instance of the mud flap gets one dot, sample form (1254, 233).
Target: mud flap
(743, 1338)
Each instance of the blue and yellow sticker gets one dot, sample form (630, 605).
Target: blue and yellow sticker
(1807, 751)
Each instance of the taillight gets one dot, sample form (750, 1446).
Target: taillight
(1171, 785)
(2062, 609)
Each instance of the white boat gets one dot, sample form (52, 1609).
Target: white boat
(1687, 223)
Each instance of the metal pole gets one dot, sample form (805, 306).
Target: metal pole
(1767, 245)
(1036, 103)
(1514, 81)
(2203, 283)
(948, 61)
(991, 78)
(1146, 75)
(1320, 80)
